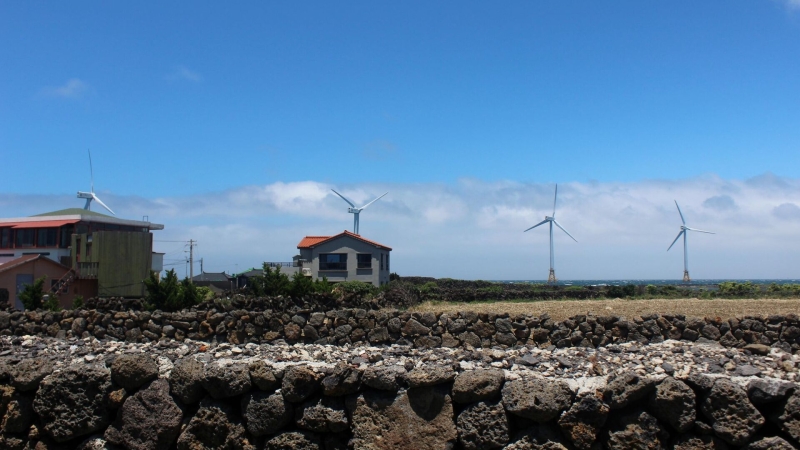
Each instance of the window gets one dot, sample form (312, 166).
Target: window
(333, 261)
(5, 238)
(25, 237)
(364, 260)
(66, 236)
(387, 261)
(47, 237)
(381, 261)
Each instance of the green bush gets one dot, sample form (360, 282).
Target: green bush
(77, 302)
(32, 294)
(204, 293)
(169, 294)
(736, 289)
(51, 303)
(429, 291)
(354, 289)
(301, 285)
(323, 286)
(271, 283)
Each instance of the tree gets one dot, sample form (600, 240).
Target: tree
(323, 286)
(276, 283)
(301, 285)
(189, 294)
(165, 294)
(31, 296)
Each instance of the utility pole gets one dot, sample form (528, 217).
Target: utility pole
(192, 243)
(201, 266)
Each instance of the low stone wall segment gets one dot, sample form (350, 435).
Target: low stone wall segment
(87, 394)
(218, 323)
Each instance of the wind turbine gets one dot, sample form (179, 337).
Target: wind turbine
(551, 278)
(356, 211)
(89, 196)
(683, 231)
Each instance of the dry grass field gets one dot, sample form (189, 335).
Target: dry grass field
(563, 309)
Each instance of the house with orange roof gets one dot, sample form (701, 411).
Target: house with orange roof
(345, 257)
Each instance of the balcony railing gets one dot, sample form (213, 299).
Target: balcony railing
(88, 269)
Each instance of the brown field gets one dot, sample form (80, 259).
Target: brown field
(563, 309)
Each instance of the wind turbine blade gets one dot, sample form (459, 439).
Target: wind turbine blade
(676, 239)
(91, 170)
(565, 231)
(102, 204)
(365, 206)
(701, 231)
(342, 196)
(554, 201)
(540, 223)
(679, 212)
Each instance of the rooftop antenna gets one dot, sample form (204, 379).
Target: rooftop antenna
(89, 196)
(551, 278)
(356, 211)
(683, 231)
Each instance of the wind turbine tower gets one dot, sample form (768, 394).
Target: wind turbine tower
(356, 211)
(683, 231)
(551, 278)
(89, 196)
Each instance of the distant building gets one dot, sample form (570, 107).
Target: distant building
(96, 254)
(345, 257)
(217, 281)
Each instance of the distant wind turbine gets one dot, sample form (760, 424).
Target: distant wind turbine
(551, 278)
(356, 211)
(683, 231)
(89, 196)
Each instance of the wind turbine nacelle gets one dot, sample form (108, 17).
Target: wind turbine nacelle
(84, 194)
(548, 218)
(353, 210)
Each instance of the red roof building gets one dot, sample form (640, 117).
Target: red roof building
(345, 257)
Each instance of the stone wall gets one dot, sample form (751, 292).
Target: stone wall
(135, 402)
(222, 323)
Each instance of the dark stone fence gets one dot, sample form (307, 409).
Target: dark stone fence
(222, 323)
(123, 404)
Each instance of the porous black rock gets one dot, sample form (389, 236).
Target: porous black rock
(72, 403)
(186, 380)
(483, 425)
(537, 399)
(148, 420)
(734, 419)
(132, 371)
(477, 385)
(265, 413)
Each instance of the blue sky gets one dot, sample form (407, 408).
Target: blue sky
(194, 109)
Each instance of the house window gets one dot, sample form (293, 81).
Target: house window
(387, 261)
(47, 237)
(381, 261)
(66, 233)
(333, 261)
(5, 238)
(25, 237)
(364, 260)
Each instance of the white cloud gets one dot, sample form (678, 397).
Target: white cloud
(181, 72)
(73, 88)
(474, 229)
(791, 4)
